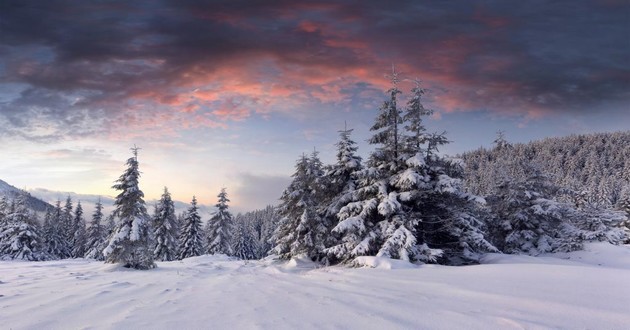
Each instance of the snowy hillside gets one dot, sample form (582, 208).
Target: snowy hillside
(576, 290)
(33, 203)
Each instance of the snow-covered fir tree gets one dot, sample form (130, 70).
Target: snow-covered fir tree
(340, 177)
(191, 235)
(301, 230)
(414, 115)
(20, 236)
(406, 204)
(165, 229)
(96, 234)
(67, 223)
(4, 209)
(79, 239)
(55, 239)
(244, 244)
(526, 219)
(261, 225)
(130, 244)
(220, 228)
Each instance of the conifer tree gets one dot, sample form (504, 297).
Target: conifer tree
(190, 241)
(67, 223)
(386, 130)
(301, 230)
(55, 243)
(244, 245)
(406, 206)
(79, 239)
(4, 209)
(165, 229)
(20, 236)
(414, 115)
(340, 178)
(129, 245)
(527, 220)
(96, 234)
(220, 228)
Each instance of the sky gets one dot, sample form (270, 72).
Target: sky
(231, 93)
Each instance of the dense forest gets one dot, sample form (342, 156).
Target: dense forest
(592, 169)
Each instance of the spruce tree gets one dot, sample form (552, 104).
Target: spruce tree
(96, 234)
(301, 230)
(67, 224)
(527, 219)
(79, 239)
(190, 241)
(129, 245)
(244, 246)
(20, 236)
(406, 204)
(165, 229)
(56, 242)
(219, 229)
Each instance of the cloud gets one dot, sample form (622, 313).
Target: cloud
(255, 191)
(155, 68)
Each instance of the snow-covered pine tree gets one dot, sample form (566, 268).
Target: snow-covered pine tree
(190, 241)
(219, 229)
(374, 222)
(414, 115)
(301, 230)
(386, 130)
(526, 219)
(55, 243)
(165, 229)
(624, 206)
(590, 224)
(96, 234)
(244, 246)
(129, 245)
(67, 223)
(340, 178)
(79, 239)
(20, 236)
(4, 209)
(405, 190)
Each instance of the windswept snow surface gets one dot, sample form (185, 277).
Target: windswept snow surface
(580, 290)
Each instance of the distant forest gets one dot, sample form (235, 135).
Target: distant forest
(593, 169)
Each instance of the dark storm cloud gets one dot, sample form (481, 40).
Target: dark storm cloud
(82, 65)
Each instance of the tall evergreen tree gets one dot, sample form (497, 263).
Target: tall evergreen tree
(4, 209)
(220, 228)
(129, 245)
(244, 246)
(190, 241)
(301, 230)
(67, 223)
(340, 178)
(406, 205)
(414, 115)
(96, 234)
(20, 236)
(55, 243)
(165, 229)
(79, 239)
(386, 130)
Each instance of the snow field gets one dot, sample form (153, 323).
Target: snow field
(578, 290)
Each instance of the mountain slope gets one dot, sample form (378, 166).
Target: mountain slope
(32, 203)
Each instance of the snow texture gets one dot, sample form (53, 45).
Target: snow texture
(577, 290)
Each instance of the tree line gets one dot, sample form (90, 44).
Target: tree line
(405, 201)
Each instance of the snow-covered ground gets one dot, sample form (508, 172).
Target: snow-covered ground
(580, 290)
